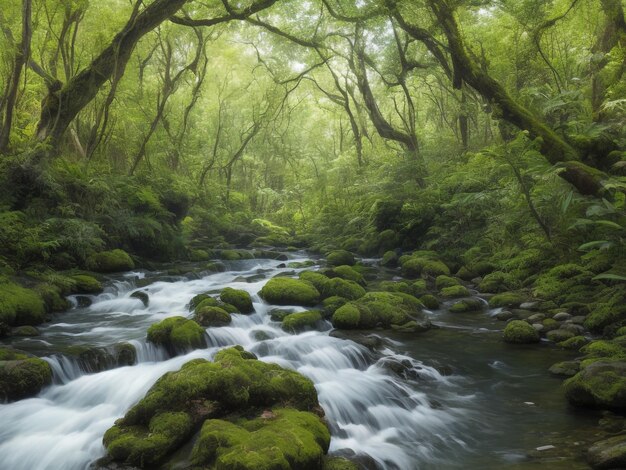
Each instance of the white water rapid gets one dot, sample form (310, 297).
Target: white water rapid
(389, 421)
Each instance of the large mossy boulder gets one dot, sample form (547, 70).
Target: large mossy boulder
(208, 316)
(302, 321)
(413, 267)
(454, 292)
(20, 306)
(340, 258)
(335, 287)
(496, 282)
(178, 335)
(288, 291)
(239, 298)
(346, 272)
(110, 262)
(281, 438)
(22, 375)
(507, 299)
(380, 309)
(467, 305)
(601, 383)
(520, 332)
(85, 284)
(252, 415)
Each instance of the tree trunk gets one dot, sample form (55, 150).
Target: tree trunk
(60, 108)
(21, 59)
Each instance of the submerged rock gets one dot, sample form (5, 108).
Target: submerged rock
(288, 291)
(252, 415)
(608, 453)
(142, 296)
(22, 375)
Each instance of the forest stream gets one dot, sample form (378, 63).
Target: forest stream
(452, 397)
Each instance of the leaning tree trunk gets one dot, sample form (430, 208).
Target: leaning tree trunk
(61, 107)
(586, 179)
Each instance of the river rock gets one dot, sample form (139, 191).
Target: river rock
(143, 296)
(302, 321)
(467, 305)
(239, 298)
(562, 316)
(504, 315)
(530, 305)
(178, 335)
(565, 368)
(538, 326)
(599, 384)
(576, 330)
(536, 318)
(520, 332)
(578, 319)
(250, 415)
(22, 375)
(559, 335)
(25, 331)
(288, 291)
(371, 341)
(608, 453)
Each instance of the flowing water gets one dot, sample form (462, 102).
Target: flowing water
(453, 397)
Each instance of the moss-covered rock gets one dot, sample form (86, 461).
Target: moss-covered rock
(608, 453)
(520, 332)
(331, 304)
(599, 384)
(339, 463)
(416, 266)
(506, 299)
(281, 439)
(574, 343)
(444, 281)
(389, 260)
(85, 284)
(177, 335)
(348, 273)
(213, 302)
(455, 292)
(430, 301)
(466, 274)
(467, 305)
(110, 262)
(496, 282)
(603, 315)
(235, 385)
(21, 375)
(142, 296)
(328, 287)
(239, 298)
(382, 309)
(20, 306)
(302, 321)
(145, 446)
(212, 316)
(340, 258)
(25, 331)
(564, 283)
(287, 291)
(52, 297)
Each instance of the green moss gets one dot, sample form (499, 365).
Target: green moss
(415, 267)
(419, 287)
(212, 316)
(444, 281)
(348, 273)
(20, 306)
(390, 259)
(496, 282)
(340, 258)
(466, 274)
(145, 447)
(52, 297)
(298, 322)
(507, 299)
(289, 439)
(430, 301)
(239, 298)
(22, 376)
(520, 332)
(398, 286)
(600, 384)
(550, 324)
(177, 334)
(603, 315)
(382, 309)
(467, 305)
(605, 349)
(338, 463)
(234, 382)
(110, 262)
(213, 302)
(25, 331)
(287, 291)
(574, 343)
(347, 317)
(455, 291)
(86, 284)
(331, 304)
(564, 283)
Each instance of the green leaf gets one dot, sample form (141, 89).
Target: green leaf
(602, 244)
(610, 277)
